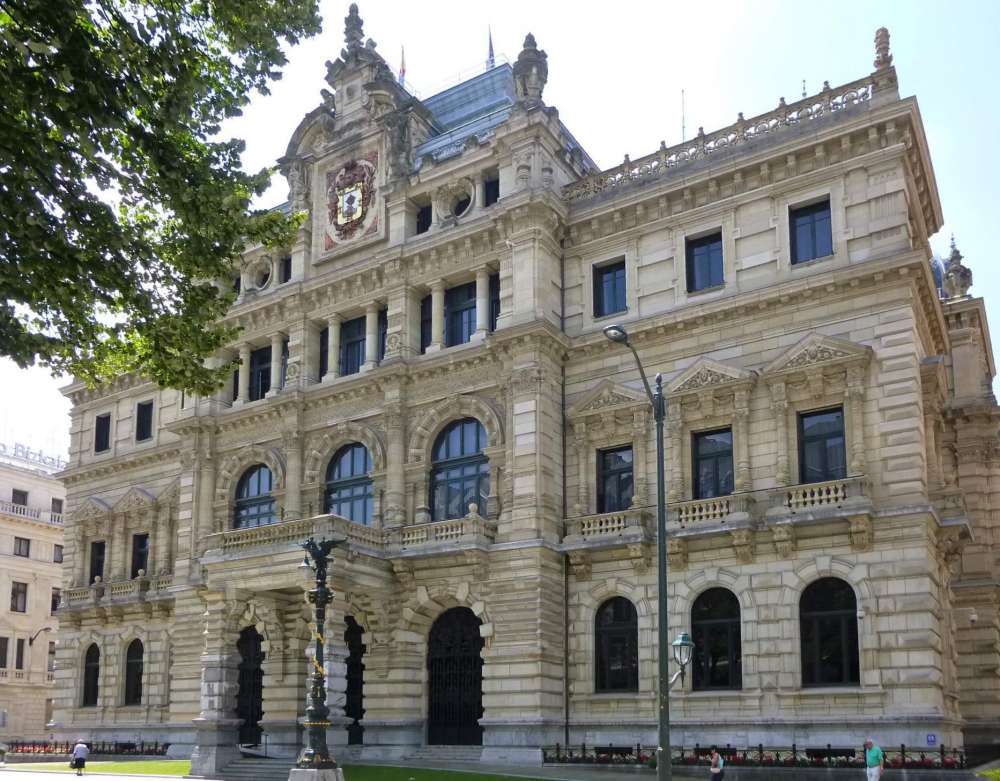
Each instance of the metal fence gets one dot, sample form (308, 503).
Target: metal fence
(109, 747)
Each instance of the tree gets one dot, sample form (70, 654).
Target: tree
(120, 207)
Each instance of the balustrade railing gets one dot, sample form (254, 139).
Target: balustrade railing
(32, 513)
(818, 496)
(604, 525)
(471, 528)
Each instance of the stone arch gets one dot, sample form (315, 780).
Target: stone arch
(426, 605)
(265, 619)
(237, 463)
(125, 639)
(322, 450)
(84, 642)
(435, 418)
(855, 575)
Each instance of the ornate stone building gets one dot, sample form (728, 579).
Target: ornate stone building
(424, 372)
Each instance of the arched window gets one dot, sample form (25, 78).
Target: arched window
(616, 635)
(828, 621)
(133, 673)
(715, 629)
(348, 487)
(91, 676)
(254, 503)
(460, 472)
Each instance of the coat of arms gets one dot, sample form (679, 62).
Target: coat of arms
(349, 196)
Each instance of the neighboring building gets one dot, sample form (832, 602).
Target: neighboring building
(426, 365)
(31, 575)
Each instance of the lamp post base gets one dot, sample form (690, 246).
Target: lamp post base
(309, 774)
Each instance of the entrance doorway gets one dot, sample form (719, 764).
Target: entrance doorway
(250, 695)
(354, 706)
(455, 680)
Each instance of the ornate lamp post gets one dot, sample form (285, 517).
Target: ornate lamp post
(316, 756)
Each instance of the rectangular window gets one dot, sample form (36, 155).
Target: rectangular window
(285, 270)
(96, 561)
(460, 314)
(57, 506)
(491, 191)
(57, 554)
(19, 497)
(260, 373)
(614, 479)
(19, 654)
(712, 457)
(22, 547)
(324, 352)
(18, 597)
(143, 421)
(704, 262)
(102, 433)
(56, 598)
(352, 346)
(822, 453)
(140, 553)
(424, 216)
(236, 384)
(811, 232)
(52, 657)
(284, 362)
(494, 300)
(426, 323)
(237, 284)
(609, 289)
(4, 646)
(383, 332)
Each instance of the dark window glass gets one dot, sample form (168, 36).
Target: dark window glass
(349, 491)
(459, 472)
(609, 289)
(828, 623)
(491, 191)
(237, 284)
(143, 421)
(324, 352)
(424, 215)
(821, 446)
(704, 262)
(133, 673)
(614, 479)
(19, 497)
(383, 332)
(285, 270)
(19, 654)
(616, 634)
(57, 506)
(260, 373)
(57, 554)
(254, 503)
(713, 463)
(140, 554)
(56, 598)
(460, 314)
(102, 433)
(812, 235)
(91, 676)
(18, 597)
(352, 346)
(494, 300)
(461, 205)
(4, 646)
(22, 547)
(426, 323)
(96, 561)
(236, 384)
(284, 362)
(715, 629)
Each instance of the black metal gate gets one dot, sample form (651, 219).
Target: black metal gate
(455, 680)
(250, 695)
(354, 707)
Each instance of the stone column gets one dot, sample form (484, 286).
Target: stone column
(437, 316)
(779, 405)
(119, 553)
(482, 303)
(160, 561)
(206, 497)
(480, 196)
(80, 561)
(583, 472)
(855, 396)
(332, 348)
(243, 392)
(395, 494)
(640, 436)
(741, 435)
(371, 337)
(293, 475)
(675, 427)
(277, 342)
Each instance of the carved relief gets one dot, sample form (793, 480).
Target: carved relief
(861, 532)
(677, 551)
(350, 200)
(743, 544)
(579, 562)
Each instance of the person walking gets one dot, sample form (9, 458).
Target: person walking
(80, 754)
(874, 760)
(718, 766)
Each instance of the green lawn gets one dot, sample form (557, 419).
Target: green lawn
(369, 773)
(147, 767)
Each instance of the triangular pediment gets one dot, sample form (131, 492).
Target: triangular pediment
(134, 499)
(817, 349)
(606, 396)
(706, 373)
(91, 508)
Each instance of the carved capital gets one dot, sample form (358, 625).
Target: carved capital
(579, 562)
(783, 537)
(743, 544)
(677, 551)
(861, 532)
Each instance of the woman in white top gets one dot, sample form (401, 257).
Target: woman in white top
(80, 754)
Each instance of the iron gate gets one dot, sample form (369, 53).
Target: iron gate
(455, 680)
(250, 696)
(354, 706)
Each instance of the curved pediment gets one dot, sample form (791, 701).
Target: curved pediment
(817, 349)
(706, 373)
(607, 396)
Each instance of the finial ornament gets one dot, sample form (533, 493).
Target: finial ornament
(957, 276)
(353, 29)
(531, 71)
(883, 59)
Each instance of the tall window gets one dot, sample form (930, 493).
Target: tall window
(57, 506)
(18, 597)
(19, 497)
(821, 446)
(324, 352)
(491, 191)
(143, 421)
(285, 270)
(383, 332)
(349, 492)
(424, 217)
(609, 289)
(616, 634)
(22, 547)
(52, 657)
(712, 454)
(614, 479)
(426, 323)
(828, 624)
(4, 649)
(459, 472)
(352, 346)
(91, 676)
(704, 262)
(254, 503)
(140, 554)
(811, 231)
(97, 560)
(57, 554)
(260, 373)
(460, 314)
(494, 300)
(133, 673)
(19, 654)
(102, 433)
(715, 629)
(56, 599)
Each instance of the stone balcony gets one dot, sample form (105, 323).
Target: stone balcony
(624, 526)
(105, 594)
(31, 513)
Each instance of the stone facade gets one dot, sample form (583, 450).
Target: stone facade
(407, 200)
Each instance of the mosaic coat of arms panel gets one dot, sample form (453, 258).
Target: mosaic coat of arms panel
(350, 192)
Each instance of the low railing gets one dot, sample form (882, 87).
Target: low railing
(33, 513)
(256, 536)
(96, 747)
(604, 525)
(470, 529)
(718, 509)
(817, 496)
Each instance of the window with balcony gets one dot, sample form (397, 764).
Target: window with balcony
(91, 676)
(133, 673)
(255, 505)
(18, 597)
(704, 262)
(822, 453)
(616, 637)
(57, 554)
(828, 627)
(352, 346)
(260, 373)
(56, 599)
(459, 470)
(140, 554)
(102, 433)
(712, 456)
(97, 560)
(19, 497)
(57, 506)
(614, 479)
(715, 629)
(19, 654)
(811, 232)
(609, 289)
(460, 314)
(143, 421)
(22, 547)
(349, 491)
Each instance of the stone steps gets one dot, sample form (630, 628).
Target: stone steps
(247, 769)
(446, 753)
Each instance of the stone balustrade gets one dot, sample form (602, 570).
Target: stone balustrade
(101, 592)
(606, 525)
(470, 529)
(33, 513)
(718, 509)
(817, 496)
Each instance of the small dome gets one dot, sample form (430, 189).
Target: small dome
(937, 269)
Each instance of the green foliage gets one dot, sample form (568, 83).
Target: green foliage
(991, 774)
(119, 207)
(144, 767)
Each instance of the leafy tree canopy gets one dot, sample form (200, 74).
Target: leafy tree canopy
(119, 205)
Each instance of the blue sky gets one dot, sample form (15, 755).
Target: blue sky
(616, 72)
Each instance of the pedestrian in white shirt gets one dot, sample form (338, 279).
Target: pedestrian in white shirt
(80, 754)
